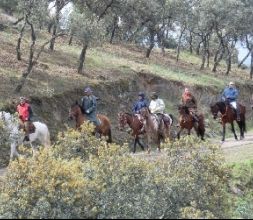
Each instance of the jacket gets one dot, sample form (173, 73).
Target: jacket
(139, 105)
(157, 106)
(25, 112)
(189, 100)
(89, 107)
(230, 94)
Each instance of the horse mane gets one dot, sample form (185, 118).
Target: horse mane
(77, 104)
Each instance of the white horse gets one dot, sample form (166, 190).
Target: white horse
(16, 137)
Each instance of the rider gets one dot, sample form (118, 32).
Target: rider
(138, 105)
(157, 106)
(25, 114)
(230, 95)
(89, 106)
(190, 102)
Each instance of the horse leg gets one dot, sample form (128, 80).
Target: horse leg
(14, 152)
(135, 143)
(223, 133)
(178, 134)
(233, 130)
(142, 145)
(240, 124)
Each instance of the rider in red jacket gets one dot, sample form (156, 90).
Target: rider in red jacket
(25, 113)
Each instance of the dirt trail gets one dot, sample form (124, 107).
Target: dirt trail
(2, 172)
(232, 143)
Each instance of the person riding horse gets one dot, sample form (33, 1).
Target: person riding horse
(138, 105)
(230, 96)
(157, 107)
(25, 114)
(89, 106)
(190, 102)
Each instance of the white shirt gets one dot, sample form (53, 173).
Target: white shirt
(157, 106)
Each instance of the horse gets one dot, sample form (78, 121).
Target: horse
(155, 129)
(228, 115)
(187, 121)
(104, 129)
(12, 127)
(135, 124)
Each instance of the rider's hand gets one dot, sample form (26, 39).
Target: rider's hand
(87, 112)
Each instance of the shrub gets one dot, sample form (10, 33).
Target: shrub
(44, 187)
(187, 181)
(77, 144)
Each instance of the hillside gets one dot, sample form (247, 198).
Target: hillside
(116, 72)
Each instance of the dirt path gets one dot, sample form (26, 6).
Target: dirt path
(232, 143)
(2, 172)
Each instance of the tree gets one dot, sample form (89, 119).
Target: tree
(33, 11)
(9, 6)
(59, 5)
(89, 31)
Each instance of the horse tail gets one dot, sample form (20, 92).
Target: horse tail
(172, 118)
(47, 141)
(201, 127)
(109, 136)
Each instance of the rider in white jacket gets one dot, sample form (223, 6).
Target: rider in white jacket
(157, 105)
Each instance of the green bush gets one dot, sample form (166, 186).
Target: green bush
(242, 176)
(186, 181)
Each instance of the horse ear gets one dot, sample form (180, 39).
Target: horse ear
(77, 103)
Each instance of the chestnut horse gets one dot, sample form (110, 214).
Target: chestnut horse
(135, 124)
(187, 121)
(228, 115)
(155, 129)
(104, 129)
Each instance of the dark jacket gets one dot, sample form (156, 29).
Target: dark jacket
(139, 105)
(89, 106)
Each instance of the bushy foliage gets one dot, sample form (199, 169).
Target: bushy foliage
(44, 187)
(243, 180)
(77, 144)
(188, 180)
(4, 144)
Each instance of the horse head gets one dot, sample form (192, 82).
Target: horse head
(145, 112)
(216, 108)
(122, 120)
(183, 110)
(75, 111)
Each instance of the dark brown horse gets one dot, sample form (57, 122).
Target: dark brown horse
(135, 124)
(155, 129)
(104, 129)
(187, 121)
(228, 115)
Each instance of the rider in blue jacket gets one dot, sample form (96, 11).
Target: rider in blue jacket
(230, 96)
(141, 103)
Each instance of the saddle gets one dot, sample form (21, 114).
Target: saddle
(31, 127)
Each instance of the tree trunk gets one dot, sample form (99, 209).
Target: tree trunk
(251, 66)
(229, 63)
(245, 58)
(179, 43)
(55, 24)
(115, 26)
(49, 28)
(18, 48)
(204, 54)
(31, 61)
(82, 58)
(190, 43)
(71, 39)
(217, 59)
(198, 48)
(152, 44)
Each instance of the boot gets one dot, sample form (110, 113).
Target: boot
(26, 138)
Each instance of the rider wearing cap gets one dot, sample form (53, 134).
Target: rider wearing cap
(141, 103)
(89, 106)
(25, 114)
(230, 96)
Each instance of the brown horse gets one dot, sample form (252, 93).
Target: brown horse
(135, 124)
(228, 115)
(187, 121)
(155, 129)
(103, 130)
